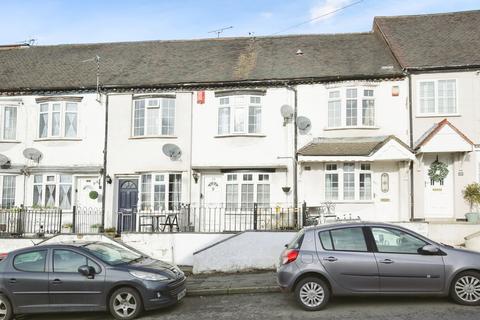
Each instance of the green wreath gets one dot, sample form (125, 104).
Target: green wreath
(438, 171)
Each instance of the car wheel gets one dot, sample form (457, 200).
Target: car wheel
(465, 288)
(5, 308)
(312, 293)
(125, 304)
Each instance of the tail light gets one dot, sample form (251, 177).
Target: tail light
(289, 255)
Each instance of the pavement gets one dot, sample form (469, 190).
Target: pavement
(277, 306)
(235, 283)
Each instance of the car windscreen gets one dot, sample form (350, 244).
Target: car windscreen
(112, 254)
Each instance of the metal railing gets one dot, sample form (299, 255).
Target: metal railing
(23, 221)
(86, 220)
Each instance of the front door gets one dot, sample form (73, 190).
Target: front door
(127, 204)
(88, 192)
(347, 259)
(401, 267)
(438, 193)
(70, 290)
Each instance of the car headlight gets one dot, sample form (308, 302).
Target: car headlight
(148, 276)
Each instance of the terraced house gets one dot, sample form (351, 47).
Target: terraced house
(230, 126)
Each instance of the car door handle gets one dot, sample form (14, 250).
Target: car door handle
(386, 261)
(57, 281)
(12, 280)
(330, 259)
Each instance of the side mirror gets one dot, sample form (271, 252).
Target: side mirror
(429, 250)
(87, 271)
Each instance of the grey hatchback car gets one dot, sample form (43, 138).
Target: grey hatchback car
(86, 276)
(374, 258)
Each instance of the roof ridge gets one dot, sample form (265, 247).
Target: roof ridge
(428, 14)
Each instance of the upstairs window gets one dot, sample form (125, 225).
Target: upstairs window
(52, 191)
(437, 97)
(351, 107)
(154, 117)
(240, 115)
(58, 120)
(348, 181)
(8, 122)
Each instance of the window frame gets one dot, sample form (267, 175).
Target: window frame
(366, 238)
(87, 258)
(63, 113)
(57, 182)
(2, 179)
(238, 179)
(374, 242)
(436, 98)
(168, 205)
(359, 110)
(160, 106)
(243, 104)
(45, 266)
(3, 107)
(340, 172)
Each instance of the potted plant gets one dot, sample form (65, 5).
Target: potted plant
(94, 228)
(471, 194)
(67, 228)
(111, 232)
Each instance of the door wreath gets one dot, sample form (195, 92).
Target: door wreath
(438, 171)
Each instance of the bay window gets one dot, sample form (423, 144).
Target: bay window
(243, 190)
(240, 114)
(351, 107)
(160, 191)
(7, 190)
(52, 191)
(437, 97)
(348, 181)
(154, 117)
(8, 122)
(58, 119)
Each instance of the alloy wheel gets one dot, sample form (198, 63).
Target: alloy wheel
(312, 294)
(124, 304)
(3, 310)
(467, 288)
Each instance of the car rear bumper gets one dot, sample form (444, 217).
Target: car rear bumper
(286, 276)
(164, 295)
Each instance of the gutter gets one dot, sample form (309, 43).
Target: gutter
(410, 115)
(104, 180)
(295, 145)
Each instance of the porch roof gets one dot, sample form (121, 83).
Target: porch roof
(444, 137)
(356, 149)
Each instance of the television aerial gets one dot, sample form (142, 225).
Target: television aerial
(32, 154)
(304, 125)
(287, 113)
(172, 151)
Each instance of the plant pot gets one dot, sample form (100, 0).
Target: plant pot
(472, 217)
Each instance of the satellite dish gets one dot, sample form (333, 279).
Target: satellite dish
(4, 161)
(32, 154)
(172, 151)
(303, 124)
(286, 111)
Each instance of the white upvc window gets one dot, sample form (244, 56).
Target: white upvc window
(243, 190)
(7, 191)
(58, 119)
(351, 107)
(160, 191)
(437, 97)
(348, 181)
(240, 114)
(8, 122)
(52, 191)
(153, 117)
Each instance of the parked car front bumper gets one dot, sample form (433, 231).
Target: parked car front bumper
(158, 295)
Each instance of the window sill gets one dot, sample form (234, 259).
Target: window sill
(245, 135)
(152, 137)
(57, 139)
(10, 141)
(351, 201)
(435, 115)
(352, 128)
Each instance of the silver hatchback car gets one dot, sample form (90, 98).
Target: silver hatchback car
(374, 258)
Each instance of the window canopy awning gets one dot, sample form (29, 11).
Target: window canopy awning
(379, 148)
(443, 137)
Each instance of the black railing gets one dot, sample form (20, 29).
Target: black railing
(189, 218)
(86, 220)
(23, 221)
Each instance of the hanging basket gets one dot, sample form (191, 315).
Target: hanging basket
(438, 171)
(93, 195)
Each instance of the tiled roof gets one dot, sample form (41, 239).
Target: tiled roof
(190, 62)
(433, 40)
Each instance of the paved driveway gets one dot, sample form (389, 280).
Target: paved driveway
(280, 306)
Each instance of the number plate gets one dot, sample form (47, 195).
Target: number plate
(182, 294)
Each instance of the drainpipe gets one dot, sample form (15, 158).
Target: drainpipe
(104, 182)
(410, 115)
(295, 144)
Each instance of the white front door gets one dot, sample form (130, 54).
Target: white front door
(87, 189)
(212, 191)
(438, 194)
